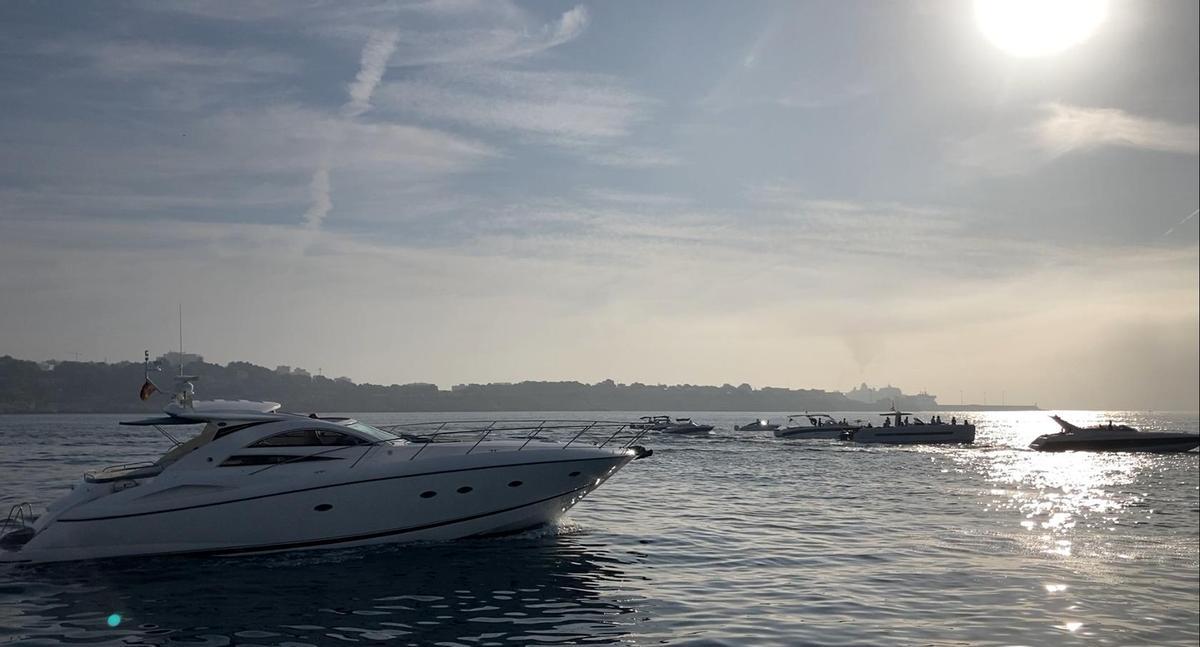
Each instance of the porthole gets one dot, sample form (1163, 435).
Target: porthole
(574, 474)
(514, 484)
(464, 489)
(324, 507)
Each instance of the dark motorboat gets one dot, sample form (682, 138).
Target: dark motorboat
(898, 430)
(1113, 438)
(820, 425)
(686, 426)
(652, 423)
(758, 425)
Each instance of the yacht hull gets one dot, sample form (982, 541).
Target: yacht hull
(1145, 442)
(495, 496)
(756, 427)
(832, 432)
(685, 430)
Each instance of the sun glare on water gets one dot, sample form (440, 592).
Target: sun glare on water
(1030, 28)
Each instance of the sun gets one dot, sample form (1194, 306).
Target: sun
(1030, 28)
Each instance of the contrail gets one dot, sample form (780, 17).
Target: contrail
(375, 54)
(1181, 222)
(322, 202)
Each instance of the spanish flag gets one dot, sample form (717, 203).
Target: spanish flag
(148, 389)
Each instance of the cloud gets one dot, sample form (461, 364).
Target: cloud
(603, 300)
(172, 76)
(570, 25)
(133, 58)
(427, 33)
(1067, 128)
(248, 165)
(1060, 129)
(375, 56)
(634, 157)
(373, 62)
(564, 106)
(483, 33)
(322, 202)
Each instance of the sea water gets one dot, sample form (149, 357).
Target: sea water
(737, 538)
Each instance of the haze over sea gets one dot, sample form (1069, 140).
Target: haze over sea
(739, 538)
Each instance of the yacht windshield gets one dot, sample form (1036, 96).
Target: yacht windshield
(378, 435)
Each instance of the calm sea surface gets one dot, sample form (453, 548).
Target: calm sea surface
(735, 539)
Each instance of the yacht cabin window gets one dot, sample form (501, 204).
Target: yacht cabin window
(308, 438)
(372, 432)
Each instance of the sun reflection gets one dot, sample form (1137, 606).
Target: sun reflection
(1053, 494)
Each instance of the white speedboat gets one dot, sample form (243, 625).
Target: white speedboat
(257, 480)
(761, 424)
(816, 425)
(686, 426)
(899, 429)
(1113, 438)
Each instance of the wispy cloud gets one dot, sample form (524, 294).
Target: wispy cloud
(1060, 129)
(138, 58)
(1066, 128)
(634, 157)
(570, 25)
(562, 105)
(322, 201)
(375, 57)
(168, 75)
(487, 34)
(373, 62)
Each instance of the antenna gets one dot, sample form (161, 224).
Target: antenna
(180, 340)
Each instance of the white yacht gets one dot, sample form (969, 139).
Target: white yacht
(255, 480)
(1113, 438)
(816, 425)
(899, 429)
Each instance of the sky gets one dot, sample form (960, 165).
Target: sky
(806, 195)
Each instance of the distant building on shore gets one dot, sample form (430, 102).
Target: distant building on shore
(175, 358)
(887, 395)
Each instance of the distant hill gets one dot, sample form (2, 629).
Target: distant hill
(95, 387)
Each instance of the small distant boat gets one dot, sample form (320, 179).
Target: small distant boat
(761, 424)
(818, 425)
(898, 430)
(686, 426)
(1113, 438)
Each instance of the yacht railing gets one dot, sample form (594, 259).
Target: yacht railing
(19, 516)
(597, 433)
